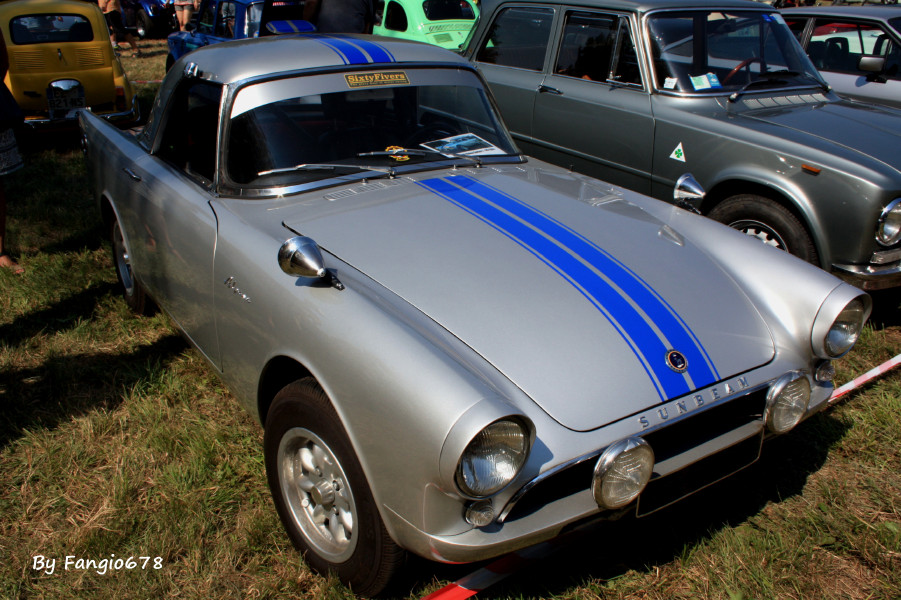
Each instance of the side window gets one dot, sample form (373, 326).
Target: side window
(598, 47)
(191, 131)
(225, 21)
(838, 46)
(518, 38)
(395, 17)
(797, 26)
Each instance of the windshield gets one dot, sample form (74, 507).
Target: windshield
(50, 28)
(357, 123)
(723, 52)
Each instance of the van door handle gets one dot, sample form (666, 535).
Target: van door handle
(545, 89)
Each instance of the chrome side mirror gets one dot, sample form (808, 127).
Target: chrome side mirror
(300, 257)
(688, 193)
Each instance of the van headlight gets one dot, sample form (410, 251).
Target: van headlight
(888, 228)
(493, 458)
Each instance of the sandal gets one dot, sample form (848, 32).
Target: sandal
(7, 262)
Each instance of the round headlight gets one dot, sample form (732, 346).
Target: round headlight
(846, 328)
(622, 472)
(493, 458)
(787, 402)
(888, 229)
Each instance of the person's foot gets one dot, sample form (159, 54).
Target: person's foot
(136, 54)
(7, 262)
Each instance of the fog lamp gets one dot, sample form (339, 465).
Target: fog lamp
(787, 402)
(622, 472)
(480, 514)
(825, 371)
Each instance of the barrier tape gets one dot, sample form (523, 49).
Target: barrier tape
(859, 381)
(475, 582)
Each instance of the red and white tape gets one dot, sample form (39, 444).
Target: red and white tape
(487, 576)
(859, 381)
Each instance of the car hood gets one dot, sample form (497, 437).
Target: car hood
(860, 128)
(564, 284)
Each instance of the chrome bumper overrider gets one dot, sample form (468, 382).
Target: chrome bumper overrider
(871, 277)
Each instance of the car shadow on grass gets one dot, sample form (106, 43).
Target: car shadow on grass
(63, 386)
(608, 550)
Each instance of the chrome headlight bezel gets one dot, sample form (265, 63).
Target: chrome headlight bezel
(610, 466)
(839, 322)
(888, 227)
(493, 458)
(787, 402)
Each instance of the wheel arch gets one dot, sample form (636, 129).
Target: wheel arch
(278, 372)
(795, 203)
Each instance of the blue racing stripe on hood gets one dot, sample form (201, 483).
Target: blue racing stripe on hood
(640, 338)
(354, 51)
(676, 332)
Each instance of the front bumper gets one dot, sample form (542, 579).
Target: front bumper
(870, 277)
(699, 440)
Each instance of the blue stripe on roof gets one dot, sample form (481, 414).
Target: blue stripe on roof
(678, 335)
(377, 53)
(350, 53)
(640, 338)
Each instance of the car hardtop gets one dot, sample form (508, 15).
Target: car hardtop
(233, 61)
(637, 6)
(869, 12)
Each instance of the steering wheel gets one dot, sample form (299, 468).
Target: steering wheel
(739, 67)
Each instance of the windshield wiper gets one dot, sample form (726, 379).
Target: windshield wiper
(775, 77)
(421, 152)
(327, 167)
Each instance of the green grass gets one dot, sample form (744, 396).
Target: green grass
(116, 439)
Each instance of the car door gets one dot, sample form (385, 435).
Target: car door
(835, 47)
(511, 56)
(177, 235)
(593, 110)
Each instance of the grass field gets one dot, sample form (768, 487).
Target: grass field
(116, 441)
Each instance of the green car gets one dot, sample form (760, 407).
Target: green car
(445, 23)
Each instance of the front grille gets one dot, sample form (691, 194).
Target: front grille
(670, 442)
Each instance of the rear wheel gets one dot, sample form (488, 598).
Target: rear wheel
(144, 24)
(767, 220)
(321, 493)
(132, 292)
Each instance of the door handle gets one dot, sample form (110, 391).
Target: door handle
(134, 176)
(545, 89)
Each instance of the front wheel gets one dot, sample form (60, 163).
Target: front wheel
(144, 24)
(767, 220)
(321, 493)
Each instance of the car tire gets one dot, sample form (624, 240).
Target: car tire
(132, 291)
(144, 24)
(321, 493)
(170, 60)
(767, 220)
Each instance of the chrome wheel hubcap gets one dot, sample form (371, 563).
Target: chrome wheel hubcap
(314, 487)
(761, 231)
(123, 261)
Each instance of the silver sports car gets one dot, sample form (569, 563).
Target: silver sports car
(454, 350)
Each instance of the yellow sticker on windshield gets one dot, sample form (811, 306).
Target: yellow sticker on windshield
(356, 80)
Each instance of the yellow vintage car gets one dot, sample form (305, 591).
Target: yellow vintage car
(61, 60)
